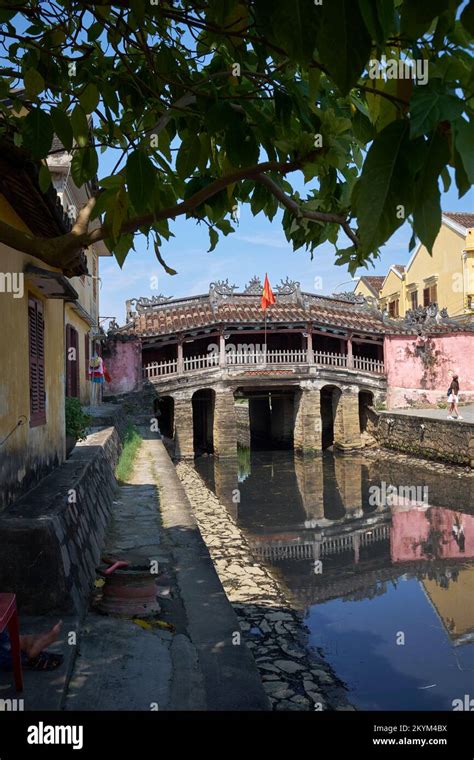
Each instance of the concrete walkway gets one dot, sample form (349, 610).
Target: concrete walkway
(467, 413)
(121, 666)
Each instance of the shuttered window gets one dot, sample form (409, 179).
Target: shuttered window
(36, 350)
(72, 362)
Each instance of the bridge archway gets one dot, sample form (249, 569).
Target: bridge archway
(331, 411)
(271, 417)
(163, 407)
(366, 399)
(203, 403)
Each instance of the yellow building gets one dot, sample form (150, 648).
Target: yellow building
(446, 277)
(32, 370)
(81, 318)
(369, 287)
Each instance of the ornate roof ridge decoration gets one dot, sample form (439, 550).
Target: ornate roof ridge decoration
(220, 290)
(426, 316)
(254, 286)
(351, 297)
(147, 303)
(287, 287)
(288, 291)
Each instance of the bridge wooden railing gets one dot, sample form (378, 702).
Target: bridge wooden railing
(156, 370)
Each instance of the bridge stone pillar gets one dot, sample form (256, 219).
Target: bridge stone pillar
(346, 420)
(349, 482)
(310, 479)
(307, 427)
(225, 424)
(183, 428)
(226, 479)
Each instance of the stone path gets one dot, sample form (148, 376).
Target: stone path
(467, 413)
(292, 679)
(121, 666)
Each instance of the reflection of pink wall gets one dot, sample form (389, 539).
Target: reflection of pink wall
(123, 360)
(411, 529)
(405, 372)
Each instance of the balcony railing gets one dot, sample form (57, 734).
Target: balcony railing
(267, 359)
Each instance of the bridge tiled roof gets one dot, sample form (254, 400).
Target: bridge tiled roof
(197, 312)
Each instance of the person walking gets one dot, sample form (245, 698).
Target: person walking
(453, 397)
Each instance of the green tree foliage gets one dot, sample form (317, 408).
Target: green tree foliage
(209, 104)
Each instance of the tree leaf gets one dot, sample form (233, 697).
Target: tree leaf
(188, 156)
(213, 238)
(343, 42)
(431, 104)
(37, 133)
(84, 165)
(467, 17)
(44, 178)
(383, 186)
(427, 205)
(34, 82)
(240, 144)
(464, 142)
(89, 98)
(417, 15)
(378, 17)
(140, 180)
(62, 127)
(80, 126)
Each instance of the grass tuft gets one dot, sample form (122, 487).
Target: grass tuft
(131, 444)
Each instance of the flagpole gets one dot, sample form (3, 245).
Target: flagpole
(265, 350)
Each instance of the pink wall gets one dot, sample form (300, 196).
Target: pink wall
(123, 360)
(409, 381)
(410, 537)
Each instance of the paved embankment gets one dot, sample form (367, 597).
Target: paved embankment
(293, 678)
(195, 667)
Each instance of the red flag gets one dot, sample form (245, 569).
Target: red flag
(267, 296)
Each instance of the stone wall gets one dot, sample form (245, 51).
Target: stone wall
(52, 538)
(443, 440)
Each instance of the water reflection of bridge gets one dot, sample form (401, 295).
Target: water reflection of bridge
(336, 539)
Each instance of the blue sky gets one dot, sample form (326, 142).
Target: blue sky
(256, 247)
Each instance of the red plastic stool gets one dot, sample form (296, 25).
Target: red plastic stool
(9, 619)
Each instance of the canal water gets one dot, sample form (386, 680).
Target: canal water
(379, 556)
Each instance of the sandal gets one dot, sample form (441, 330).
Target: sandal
(44, 661)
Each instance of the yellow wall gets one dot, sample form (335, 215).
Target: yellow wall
(85, 286)
(30, 452)
(457, 616)
(361, 289)
(446, 262)
(449, 268)
(392, 289)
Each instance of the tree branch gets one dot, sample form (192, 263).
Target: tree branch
(301, 212)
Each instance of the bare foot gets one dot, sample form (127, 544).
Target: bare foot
(33, 644)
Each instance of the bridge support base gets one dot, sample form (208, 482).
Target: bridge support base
(346, 423)
(307, 430)
(183, 429)
(225, 425)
